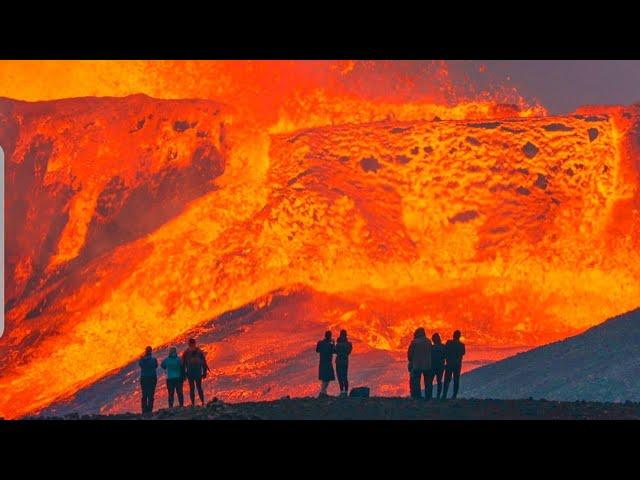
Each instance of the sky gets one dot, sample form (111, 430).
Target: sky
(563, 85)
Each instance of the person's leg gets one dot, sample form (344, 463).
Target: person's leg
(439, 375)
(179, 390)
(148, 392)
(323, 388)
(153, 382)
(447, 380)
(428, 394)
(456, 380)
(143, 394)
(346, 380)
(415, 384)
(412, 389)
(340, 371)
(192, 391)
(170, 389)
(200, 392)
(426, 376)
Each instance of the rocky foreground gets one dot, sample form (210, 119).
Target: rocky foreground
(381, 408)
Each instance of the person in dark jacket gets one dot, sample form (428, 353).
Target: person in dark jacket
(195, 367)
(453, 352)
(175, 376)
(148, 379)
(419, 355)
(326, 349)
(343, 350)
(437, 364)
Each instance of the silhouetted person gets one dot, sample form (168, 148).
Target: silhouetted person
(326, 349)
(175, 376)
(148, 379)
(343, 350)
(419, 355)
(453, 352)
(437, 364)
(195, 369)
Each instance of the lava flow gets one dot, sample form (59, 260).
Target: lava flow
(135, 221)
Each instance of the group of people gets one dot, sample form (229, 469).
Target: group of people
(431, 359)
(192, 366)
(428, 359)
(327, 348)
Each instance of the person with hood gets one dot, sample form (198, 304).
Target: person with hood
(195, 369)
(437, 364)
(454, 350)
(175, 376)
(343, 350)
(326, 349)
(419, 355)
(148, 379)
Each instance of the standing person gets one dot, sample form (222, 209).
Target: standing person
(453, 352)
(326, 349)
(148, 379)
(437, 364)
(195, 369)
(343, 350)
(175, 376)
(419, 355)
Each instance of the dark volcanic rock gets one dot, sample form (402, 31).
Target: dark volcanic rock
(393, 408)
(601, 364)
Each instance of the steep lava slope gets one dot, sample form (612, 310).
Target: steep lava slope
(601, 364)
(519, 231)
(86, 175)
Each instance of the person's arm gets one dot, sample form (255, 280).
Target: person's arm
(349, 348)
(164, 364)
(463, 351)
(318, 347)
(184, 363)
(410, 352)
(141, 362)
(204, 361)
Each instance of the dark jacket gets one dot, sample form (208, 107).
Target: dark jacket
(326, 349)
(419, 354)
(148, 365)
(194, 363)
(454, 351)
(343, 350)
(437, 357)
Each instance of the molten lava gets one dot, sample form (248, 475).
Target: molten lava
(134, 221)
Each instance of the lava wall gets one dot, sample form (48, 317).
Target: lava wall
(520, 231)
(86, 175)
